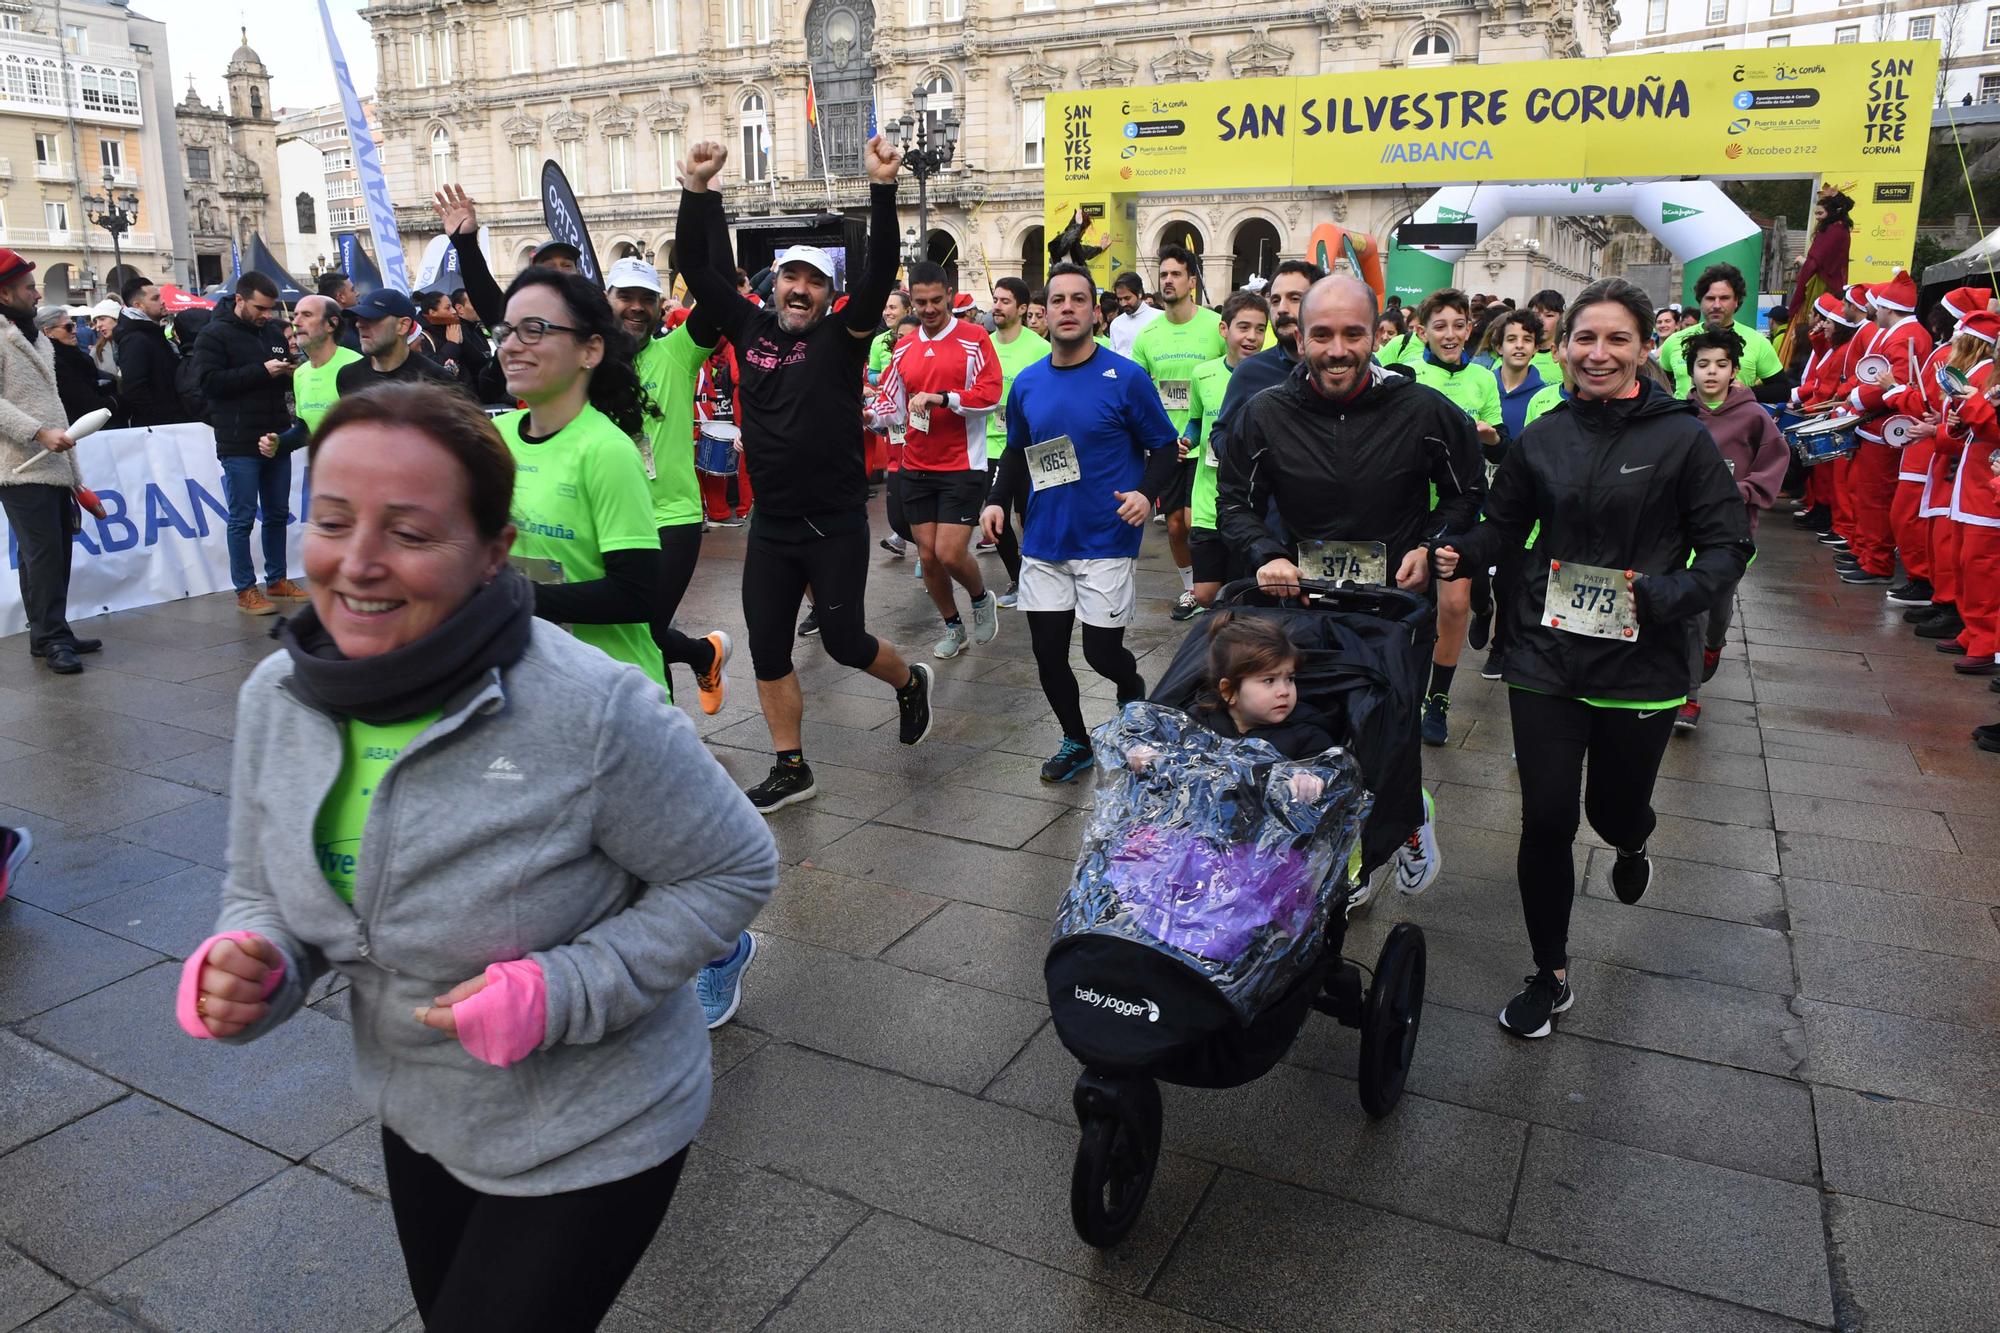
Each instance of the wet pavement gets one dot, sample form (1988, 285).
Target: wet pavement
(1776, 1103)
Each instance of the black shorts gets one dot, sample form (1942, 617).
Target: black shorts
(1211, 555)
(943, 497)
(1180, 491)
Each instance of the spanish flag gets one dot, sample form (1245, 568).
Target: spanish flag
(812, 102)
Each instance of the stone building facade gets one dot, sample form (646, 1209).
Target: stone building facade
(481, 93)
(229, 153)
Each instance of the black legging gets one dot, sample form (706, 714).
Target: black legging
(1105, 650)
(778, 570)
(1552, 738)
(680, 551)
(490, 1263)
(1009, 545)
(892, 489)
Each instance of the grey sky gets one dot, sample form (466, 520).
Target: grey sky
(286, 33)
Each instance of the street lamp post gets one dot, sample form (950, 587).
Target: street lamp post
(926, 152)
(115, 213)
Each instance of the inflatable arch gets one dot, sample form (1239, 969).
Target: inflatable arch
(1694, 220)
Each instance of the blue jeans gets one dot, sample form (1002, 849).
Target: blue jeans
(254, 487)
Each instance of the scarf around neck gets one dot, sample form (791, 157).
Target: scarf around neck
(491, 630)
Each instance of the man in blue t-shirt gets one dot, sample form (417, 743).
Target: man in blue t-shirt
(1088, 443)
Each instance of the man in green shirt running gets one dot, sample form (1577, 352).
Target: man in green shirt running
(317, 321)
(1721, 290)
(1446, 317)
(1018, 347)
(1246, 322)
(668, 367)
(1168, 349)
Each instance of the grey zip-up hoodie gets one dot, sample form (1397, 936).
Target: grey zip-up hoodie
(559, 811)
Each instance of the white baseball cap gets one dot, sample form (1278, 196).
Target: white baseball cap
(632, 272)
(810, 255)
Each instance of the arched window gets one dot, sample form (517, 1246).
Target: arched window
(444, 162)
(256, 105)
(756, 125)
(1431, 48)
(308, 222)
(937, 94)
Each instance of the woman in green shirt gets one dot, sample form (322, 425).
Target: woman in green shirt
(581, 500)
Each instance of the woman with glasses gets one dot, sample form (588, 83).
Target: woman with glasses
(581, 500)
(76, 373)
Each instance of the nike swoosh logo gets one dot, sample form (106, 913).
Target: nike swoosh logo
(1655, 713)
(1627, 470)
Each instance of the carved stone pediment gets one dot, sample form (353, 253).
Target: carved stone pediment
(521, 128)
(1183, 64)
(616, 118)
(567, 124)
(664, 113)
(1035, 75)
(1106, 69)
(1260, 57)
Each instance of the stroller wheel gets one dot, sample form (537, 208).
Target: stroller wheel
(1389, 1024)
(1115, 1161)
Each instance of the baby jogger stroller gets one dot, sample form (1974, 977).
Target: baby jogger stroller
(1205, 919)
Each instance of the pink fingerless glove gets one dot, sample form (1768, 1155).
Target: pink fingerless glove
(506, 1021)
(185, 1012)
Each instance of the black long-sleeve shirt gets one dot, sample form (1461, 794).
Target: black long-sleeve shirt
(801, 392)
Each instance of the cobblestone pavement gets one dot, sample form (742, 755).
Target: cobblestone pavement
(1776, 1104)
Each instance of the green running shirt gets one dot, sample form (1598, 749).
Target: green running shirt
(1027, 348)
(1760, 359)
(313, 391)
(1169, 352)
(366, 752)
(1205, 390)
(669, 368)
(577, 495)
(1472, 388)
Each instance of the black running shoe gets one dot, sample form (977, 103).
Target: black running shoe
(1480, 630)
(1631, 873)
(914, 702)
(1071, 761)
(1531, 1013)
(1941, 625)
(1435, 728)
(1863, 578)
(1494, 667)
(809, 627)
(787, 784)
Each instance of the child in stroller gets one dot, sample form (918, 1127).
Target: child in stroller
(1205, 919)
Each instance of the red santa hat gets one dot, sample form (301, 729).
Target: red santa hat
(1829, 306)
(962, 304)
(1898, 293)
(1963, 301)
(1857, 295)
(1983, 325)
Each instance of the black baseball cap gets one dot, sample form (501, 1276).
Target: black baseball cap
(556, 250)
(384, 304)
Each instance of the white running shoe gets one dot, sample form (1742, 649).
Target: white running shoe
(1418, 861)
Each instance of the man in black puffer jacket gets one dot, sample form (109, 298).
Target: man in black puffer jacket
(244, 375)
(147, 363)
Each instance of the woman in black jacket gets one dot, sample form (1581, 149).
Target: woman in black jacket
(76, 373)
(1640, 528)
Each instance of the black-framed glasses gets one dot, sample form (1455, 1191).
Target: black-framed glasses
(531, 331)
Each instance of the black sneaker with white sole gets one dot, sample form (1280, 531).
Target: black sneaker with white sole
(787, 784)
(1531, 1014)
(1631, 875)
(913, 701)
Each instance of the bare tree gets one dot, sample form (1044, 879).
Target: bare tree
(1949, 27)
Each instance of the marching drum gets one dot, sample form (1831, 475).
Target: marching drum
(1899, 430)
(1825, 438)
(715, 452)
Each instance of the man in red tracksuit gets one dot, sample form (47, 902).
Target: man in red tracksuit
(1970, 433)
(1905, 344)
(1845, 519)
(940, 385)
(1819, 383)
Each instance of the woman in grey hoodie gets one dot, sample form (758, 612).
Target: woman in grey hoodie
(462, 809)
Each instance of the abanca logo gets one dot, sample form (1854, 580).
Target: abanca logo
(1122, 1008)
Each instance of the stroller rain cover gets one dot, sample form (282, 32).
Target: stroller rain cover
(1203, 853)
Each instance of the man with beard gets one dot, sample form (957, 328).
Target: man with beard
(316, 382)
(1274, 364)
(1347, 454)
(385, 319)
(801, 391)
(669, 366)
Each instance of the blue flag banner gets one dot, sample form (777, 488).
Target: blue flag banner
(368, 165)
(564, 219)
(360, 269)
(235, 263)
(264, 262)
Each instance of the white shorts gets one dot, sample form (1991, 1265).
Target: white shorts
(1103, 593)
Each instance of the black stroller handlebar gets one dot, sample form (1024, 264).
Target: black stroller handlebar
(1391, 603)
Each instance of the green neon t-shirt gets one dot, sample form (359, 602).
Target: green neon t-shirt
(578, 494)
(1205, 390)
(1027, 348)
(313, 391)
(879, 353)
(1545, 398)
(1760, 360)
(366, 752)
(1169, 352)
(1404, 349)
(1471, 387)
(1545, 362)
(669, 368)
